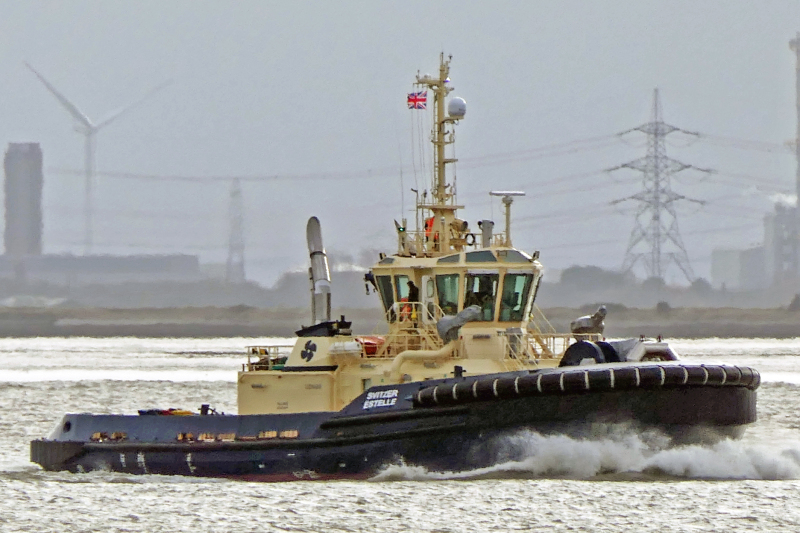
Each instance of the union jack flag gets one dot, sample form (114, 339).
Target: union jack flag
(417, 100)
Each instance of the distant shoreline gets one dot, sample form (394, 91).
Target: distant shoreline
(243, 321)
(690, 322)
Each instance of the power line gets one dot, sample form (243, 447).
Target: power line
(146, 245)
(332, 176)
(745, 144)
(727, 177)
(136, 214)
(587, 244)
(539, 153)
(733, 211)
(566, 220)
(550, 150)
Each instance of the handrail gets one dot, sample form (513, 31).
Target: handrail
(410, 314)
(422, 243)
(538, 319)
(530, 346)
(269, 357)
(412, 326)
(426, 243)
(553, 345)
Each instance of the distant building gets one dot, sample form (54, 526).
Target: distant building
(73, 270)
(742, 270)
(23, 199)
(779, 245)
(23, 259)
(769, 265)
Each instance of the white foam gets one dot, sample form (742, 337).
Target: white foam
(728, 460)
(559, 456)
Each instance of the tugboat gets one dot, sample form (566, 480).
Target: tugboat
(468, 360)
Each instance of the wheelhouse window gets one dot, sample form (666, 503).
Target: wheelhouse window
(481, 256)
(514, 298)
(385, 288)
(447, 288)
(401, 284)
(450, 259)
(481, 290)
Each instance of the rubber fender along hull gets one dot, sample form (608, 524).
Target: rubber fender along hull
(589, 379)
(442, 438)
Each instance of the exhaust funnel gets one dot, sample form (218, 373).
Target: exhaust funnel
(319, 274)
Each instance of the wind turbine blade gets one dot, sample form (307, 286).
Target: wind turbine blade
(115, 114)
(74, 111)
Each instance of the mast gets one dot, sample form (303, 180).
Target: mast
(440, 91)
(442, 207)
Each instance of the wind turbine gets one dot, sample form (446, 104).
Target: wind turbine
(89, 130)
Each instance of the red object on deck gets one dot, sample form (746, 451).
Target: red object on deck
(371, 343)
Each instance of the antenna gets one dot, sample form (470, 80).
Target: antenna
(656, 221)
(508, 199)
(234, 266)
(89, 130)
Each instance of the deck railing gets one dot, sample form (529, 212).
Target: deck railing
(418, 334)
(266, 357)
(539, 322)
(553, 345)
(426, 242)
(413, 328)
(410, 314)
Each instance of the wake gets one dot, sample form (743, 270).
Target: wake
(620, 455)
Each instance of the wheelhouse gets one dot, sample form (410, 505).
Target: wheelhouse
(502, 282)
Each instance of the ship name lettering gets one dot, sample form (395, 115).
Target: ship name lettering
(383, 398)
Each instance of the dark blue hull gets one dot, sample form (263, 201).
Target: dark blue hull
(455, 432)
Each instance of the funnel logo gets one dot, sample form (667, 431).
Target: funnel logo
(308, 353)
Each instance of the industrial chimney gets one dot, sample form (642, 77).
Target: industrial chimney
(23, 199)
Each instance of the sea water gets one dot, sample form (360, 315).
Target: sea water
(620, 480)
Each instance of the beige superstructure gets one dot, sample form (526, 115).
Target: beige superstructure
(442, 271)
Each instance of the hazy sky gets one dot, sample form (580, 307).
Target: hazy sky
(314, 93)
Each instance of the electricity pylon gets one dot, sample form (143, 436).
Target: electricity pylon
(655, 240)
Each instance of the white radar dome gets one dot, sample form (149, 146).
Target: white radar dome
(457, 107)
